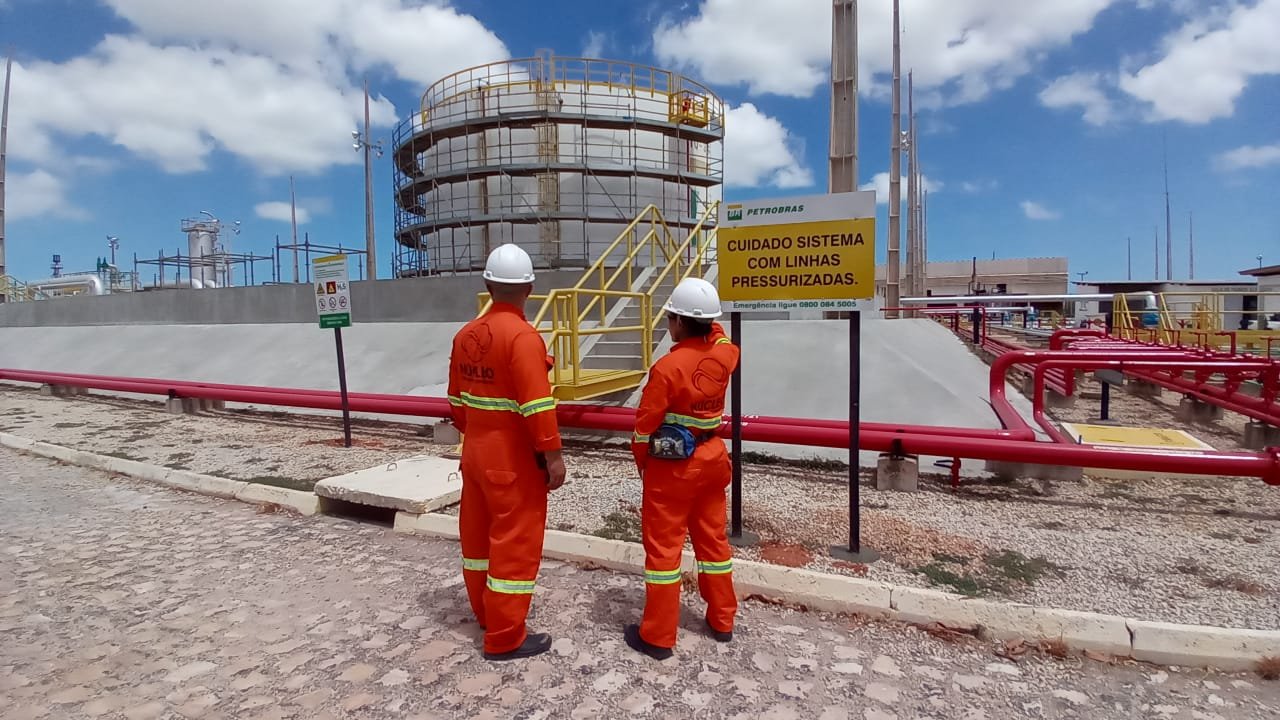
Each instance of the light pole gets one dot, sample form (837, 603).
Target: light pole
(1082, 275)
(113, 242)
(361, 142)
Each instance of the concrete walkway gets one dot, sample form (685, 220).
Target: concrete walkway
(122, 600)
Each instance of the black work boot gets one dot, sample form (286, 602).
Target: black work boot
(637, 643)
(534, 644)
(719, 636)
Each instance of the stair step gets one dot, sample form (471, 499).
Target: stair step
(611, 362)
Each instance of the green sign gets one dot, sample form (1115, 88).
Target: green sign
(337, 320)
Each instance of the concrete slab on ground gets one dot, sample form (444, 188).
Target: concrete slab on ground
(1134, 438)
(413, 485)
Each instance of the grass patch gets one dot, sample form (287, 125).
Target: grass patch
(953, 559)
(1268, 668)
(759, 458)
(1050, 525)
(620, 525)
(965, 584)
(1016, 566)
(68, 425)
(120, 455)
(283, 482)
(820, 465)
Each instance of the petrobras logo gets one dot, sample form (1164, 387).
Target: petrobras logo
(777, 210)
(735, 212)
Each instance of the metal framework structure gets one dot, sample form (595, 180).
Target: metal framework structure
(308, 248)
(556, 154)
(228, 263)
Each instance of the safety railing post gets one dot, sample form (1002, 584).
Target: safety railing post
(646, 331)
(573, 337)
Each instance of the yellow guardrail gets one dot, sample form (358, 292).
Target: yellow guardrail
(566, 315)
(1200, 319)
(12, 290)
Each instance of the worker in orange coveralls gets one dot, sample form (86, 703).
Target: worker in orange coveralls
(501, 399)
(685, 470)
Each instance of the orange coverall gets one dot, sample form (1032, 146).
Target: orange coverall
(501, 399)
(686, 388)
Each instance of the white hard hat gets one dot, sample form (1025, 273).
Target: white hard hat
(510, 265)
(694, 298)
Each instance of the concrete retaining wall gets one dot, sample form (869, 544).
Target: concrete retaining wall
(438, 299)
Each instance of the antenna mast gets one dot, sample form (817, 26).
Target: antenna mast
(1168, 218)
(1191, 242)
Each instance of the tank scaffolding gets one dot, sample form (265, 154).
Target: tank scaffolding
(308, 248)
(227, 263)
(556, 154)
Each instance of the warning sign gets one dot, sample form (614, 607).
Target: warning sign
(807, 250)
(333, 291)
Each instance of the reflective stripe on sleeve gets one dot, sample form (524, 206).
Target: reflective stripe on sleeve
(475, 564)
(533, 407)
(455, 401)
(638, 438)
(715, 568)
(510, 587)
(662, 577)
(693, 422)
(724, 341)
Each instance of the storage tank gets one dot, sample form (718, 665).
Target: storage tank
(555, 154)
(202, 243)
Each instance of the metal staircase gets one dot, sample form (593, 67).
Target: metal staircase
(602, 332)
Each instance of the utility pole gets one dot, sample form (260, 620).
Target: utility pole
(912, 253)
(4, 141)
(1129, 246)
(924, 243)
(370, 249)
(293, 220)
(917, 180)
(1157, 232)
(1168, 218)
(892, 272)
(842, 175)
(1191, 243)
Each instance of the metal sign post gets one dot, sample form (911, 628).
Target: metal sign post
(737, 536)
(333, 301)
(801, 253)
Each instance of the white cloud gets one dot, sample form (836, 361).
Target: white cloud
(271, 82)
(1080, 90)
(758, 151)
(1035, 211)
(419, 41)
(1248, 157)
(279, 210)
(1208, 63)
(880, 183)
(38, 194)
(974, 187)
(960, 51)
(593, 46)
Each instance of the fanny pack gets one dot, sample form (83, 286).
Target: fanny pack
(672, 442)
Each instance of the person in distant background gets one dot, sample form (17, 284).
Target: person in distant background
(502, 402)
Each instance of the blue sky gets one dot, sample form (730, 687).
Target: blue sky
(1042, 123)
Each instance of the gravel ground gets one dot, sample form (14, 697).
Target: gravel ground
(120, 599)
(1184, 551)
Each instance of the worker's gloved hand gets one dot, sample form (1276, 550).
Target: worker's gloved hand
(555, 470)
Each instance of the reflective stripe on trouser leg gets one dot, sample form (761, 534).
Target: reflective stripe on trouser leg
(517, 499)
(665, 510)
(715, 557)
(473, 531)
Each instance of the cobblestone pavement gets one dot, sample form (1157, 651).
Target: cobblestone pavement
(124, 600)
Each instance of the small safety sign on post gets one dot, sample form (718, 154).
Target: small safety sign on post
(332, 285)
(800, 253)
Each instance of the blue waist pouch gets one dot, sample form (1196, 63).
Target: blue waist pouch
(672, 442)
